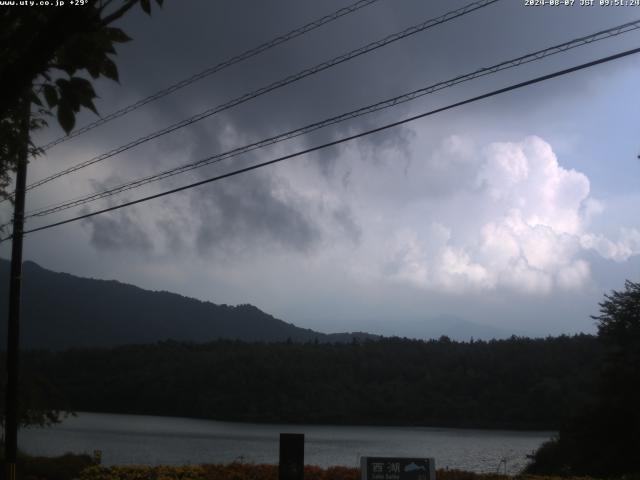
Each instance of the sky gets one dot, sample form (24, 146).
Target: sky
(515, 213)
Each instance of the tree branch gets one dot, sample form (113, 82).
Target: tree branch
(118, 13)
(104, 4)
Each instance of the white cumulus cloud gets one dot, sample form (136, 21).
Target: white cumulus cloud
(506, 215)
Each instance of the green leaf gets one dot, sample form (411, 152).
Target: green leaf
(109, 69)
(68, 69)
(50, 95)
(101, 43)
(71, 55)
(93, 62)
(117, 35)
(35, 99)
(94, 70)
(68, 95)
(66, 117)
(90, 105)
(62, 83)
(83, 93)
(82, 85)
(146, 6)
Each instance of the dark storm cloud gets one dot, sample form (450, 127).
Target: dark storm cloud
(388, 142)
(320, 207)
(208, 32)
(215, 33)
(181, 40)
(236, 216)
(173, 232)
(344, 218)
(118, 232)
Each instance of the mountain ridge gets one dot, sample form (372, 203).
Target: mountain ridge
(108, 313)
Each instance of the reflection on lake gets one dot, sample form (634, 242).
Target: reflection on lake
(138, 439)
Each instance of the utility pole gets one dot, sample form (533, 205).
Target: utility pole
(15, 286)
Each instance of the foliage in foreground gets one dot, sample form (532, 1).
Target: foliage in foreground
(64, 467)
(51, 52)
(237, 471)
(232, 471)
(83, 467)
(603, 440)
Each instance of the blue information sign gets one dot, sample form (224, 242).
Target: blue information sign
(397, 468)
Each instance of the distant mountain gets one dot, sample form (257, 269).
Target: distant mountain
(62, 311)
(453, 327)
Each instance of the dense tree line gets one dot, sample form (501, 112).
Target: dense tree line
(602, 437)
(514, 383)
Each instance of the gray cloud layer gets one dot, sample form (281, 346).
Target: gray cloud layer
(352, 221)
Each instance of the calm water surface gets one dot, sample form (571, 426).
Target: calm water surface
(138, 439)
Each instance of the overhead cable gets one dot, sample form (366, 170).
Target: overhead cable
(214, 69)
(524, 59)
(493, 93)
(273, 86)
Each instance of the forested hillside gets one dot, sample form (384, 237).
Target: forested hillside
(515, 383)
(63, 311)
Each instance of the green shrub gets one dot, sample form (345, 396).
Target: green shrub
(65, 467)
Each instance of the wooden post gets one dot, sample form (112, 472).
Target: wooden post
(15, 286)
(291, 465)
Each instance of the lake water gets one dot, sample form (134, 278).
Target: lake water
(148, 440)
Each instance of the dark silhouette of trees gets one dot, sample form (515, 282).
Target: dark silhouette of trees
(514, 383)
(604, 438)
(41, 402)
(45, 54)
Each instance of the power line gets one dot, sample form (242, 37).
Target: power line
(214, 69)
(275, 85)
(531, 57)
(342, 140)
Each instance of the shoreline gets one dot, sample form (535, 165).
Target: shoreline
(487, 429)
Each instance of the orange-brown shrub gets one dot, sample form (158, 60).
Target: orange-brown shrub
(243, 471)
